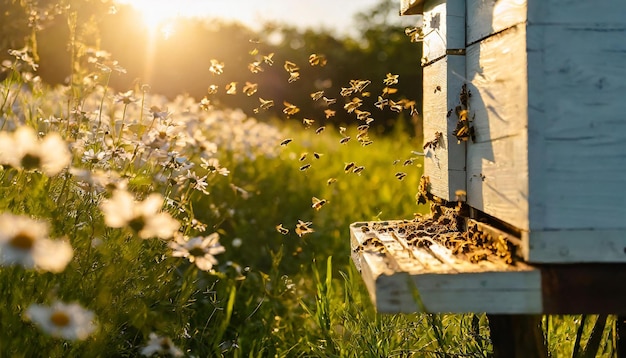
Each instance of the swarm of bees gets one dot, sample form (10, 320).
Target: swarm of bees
(353, 96)
(464, 129)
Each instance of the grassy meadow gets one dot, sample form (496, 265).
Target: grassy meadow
(134, 224)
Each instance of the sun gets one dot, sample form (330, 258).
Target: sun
(157, 13)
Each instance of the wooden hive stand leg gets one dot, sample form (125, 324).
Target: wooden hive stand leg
(517, 336)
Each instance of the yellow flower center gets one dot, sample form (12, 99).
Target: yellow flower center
(22, 241)
(60, 319)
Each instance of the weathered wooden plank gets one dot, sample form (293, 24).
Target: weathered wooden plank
(444, 164)
(497, 161)
(578, 151)
(575, 246)
(487, 17)
(597, 13)
(443, 27)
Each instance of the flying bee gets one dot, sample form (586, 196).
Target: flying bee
(329, 101)
(400, 175)
(408, 162)
(286, 141)
(395, 162)
(217, 67)
(290, 109)
(266, 104)
(346, 91)
(250, 88)
(353, 104)
(330, 181)
(348, 167)
(305, 167)
(291, 67)
(344, 140)
(365, 143)
(363, 128)
(390, 79)
(255, 67)
(315, 59)
(389, 90)
(231, 88)
(395, 106)
(317, 95)
(381, 103)
(358, 170)
(205, 104)
(317, 155)
(303, 156)
(342, 130)
(329, 113)
(318, 203)
(320, 130)
(307, 122)
(281, 229)
(213, 89)
(414, 33)
(293, 77)
(362, 115)
(359, 85)
(268, 59)
(303, 228)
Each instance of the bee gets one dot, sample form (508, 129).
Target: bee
(344, 140)
(346, 91)
(389, 90)
(433, 144)
(205, 104)
(291, 67)
(307, 122)
(408, 162)
(320, 130)
(254, 52)
(303, 228)
(329, 101)
(250, 88)
(353, 104)
(363, 128)
(342, 130)
(231, 88)
(460, 195)
(293, 77)
(290, 109)
(317, 155)
(362, 115)
(317, 95)
(266, 104)
(255, 67)
(395, 106)
(359, 85)
(366, 142)
(217, 67)
(330, 181)
(286, 141)
(305, 167)
(414, 33)
(315, 60)
(381, 103)
(400, 175)
(318, 203)
(213, 89)
(281, 229)
(424, 194)
(358, 170)
(395, 162)
(449, 113)
(329, 113)
(437, 89)
(348, 167)
(303, 156)
(464, 96)
(390, 79)
(268, 59)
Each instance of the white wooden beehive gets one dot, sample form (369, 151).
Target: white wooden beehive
(546, 79)
(540, 84)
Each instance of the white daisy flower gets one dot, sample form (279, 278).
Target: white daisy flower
(25, 242)
(69, 321)
(198, 250)
(23, 149)
(145, 218)
(163, 346)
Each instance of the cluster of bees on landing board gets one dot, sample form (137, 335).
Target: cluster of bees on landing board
(354, 95)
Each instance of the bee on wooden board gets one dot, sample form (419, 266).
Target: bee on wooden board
(433, 144)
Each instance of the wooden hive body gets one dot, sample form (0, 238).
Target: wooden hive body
(548, 155)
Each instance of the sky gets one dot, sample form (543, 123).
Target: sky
(329, 14)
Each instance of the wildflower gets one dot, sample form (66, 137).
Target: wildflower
(213, 166)
(199, 250)
(145, 218)
(163, 346)
(69, 321)
(126, 97)
(196, 182)
(24, 241)
(23, 150)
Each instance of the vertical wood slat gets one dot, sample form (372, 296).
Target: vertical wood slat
(487, 17)
(445, 164)
(443, 27)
